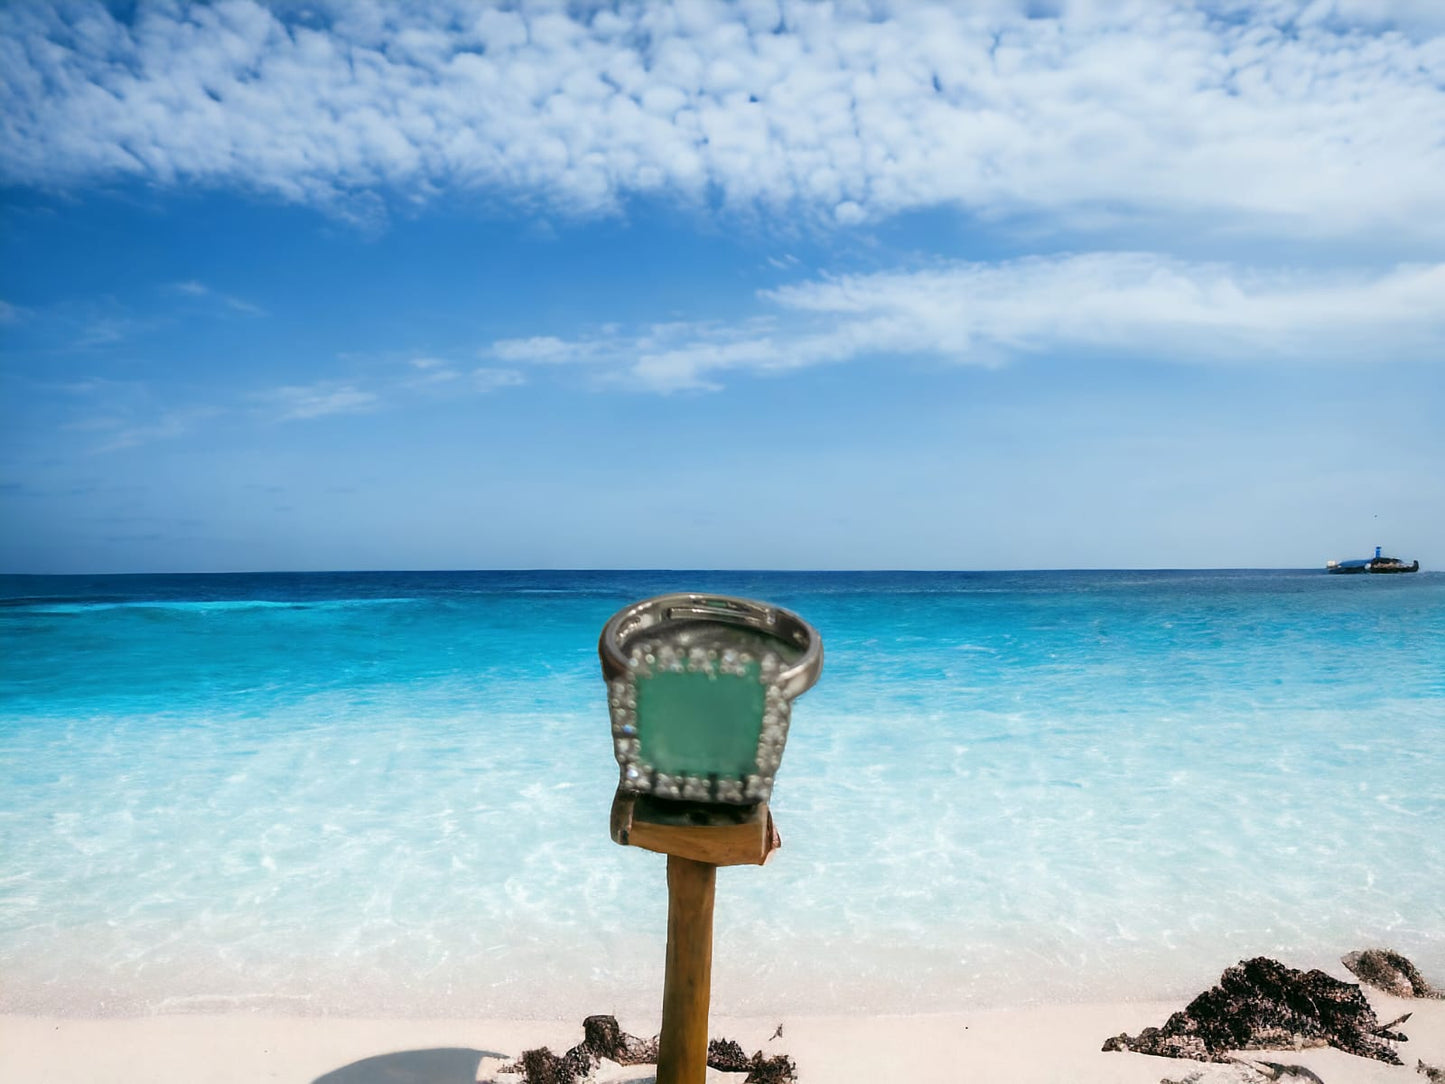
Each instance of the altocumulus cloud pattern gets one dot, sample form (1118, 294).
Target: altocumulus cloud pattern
(839, 113)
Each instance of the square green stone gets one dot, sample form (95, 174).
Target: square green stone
(695, 723)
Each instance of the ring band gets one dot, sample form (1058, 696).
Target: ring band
(650, 613)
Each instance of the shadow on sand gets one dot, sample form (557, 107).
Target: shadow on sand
(448, 1065)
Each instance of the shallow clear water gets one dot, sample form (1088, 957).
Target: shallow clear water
(362, 793)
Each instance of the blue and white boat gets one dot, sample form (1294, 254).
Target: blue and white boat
(1372, 564)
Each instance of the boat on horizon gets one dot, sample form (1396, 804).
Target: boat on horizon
(1371, 564)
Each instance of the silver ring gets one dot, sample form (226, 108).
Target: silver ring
(646, 644)
(653, 613)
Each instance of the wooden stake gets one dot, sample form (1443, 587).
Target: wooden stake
(682, 1049)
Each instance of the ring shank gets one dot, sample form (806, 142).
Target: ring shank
(653, 615)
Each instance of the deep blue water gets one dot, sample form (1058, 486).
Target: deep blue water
(388, 792)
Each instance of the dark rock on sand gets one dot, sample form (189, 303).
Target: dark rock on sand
(727, 1056)
(1430, 1072)
(1260, 1004)
(541, 1066)
(779, 1069)
(1387, 970)
(603, 1037)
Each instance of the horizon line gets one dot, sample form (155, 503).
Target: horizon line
(558, 570)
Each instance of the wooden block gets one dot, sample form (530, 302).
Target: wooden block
(717, 835)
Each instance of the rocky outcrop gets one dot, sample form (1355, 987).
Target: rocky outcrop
(1387, 970)
(1260, 1004)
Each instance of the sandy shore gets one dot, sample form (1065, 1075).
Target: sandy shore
(1053, 1044)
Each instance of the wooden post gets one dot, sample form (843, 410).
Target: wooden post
(682, 1048)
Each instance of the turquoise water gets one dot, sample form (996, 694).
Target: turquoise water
(388, 793)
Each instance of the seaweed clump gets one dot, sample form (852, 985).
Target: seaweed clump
(1260, 1004)
(1387, 970)
(603, 1038)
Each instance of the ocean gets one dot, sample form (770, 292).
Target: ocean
(388, 793)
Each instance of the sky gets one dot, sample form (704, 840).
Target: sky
(448, 285)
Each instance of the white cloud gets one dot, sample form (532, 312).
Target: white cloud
(486, 379)
(12, 314)
(1310, 119)
(430, 376)
(169, 425)
(107, 330)
(295, 402)
(242, 306)
(126, 413)
(539, 349)
(192, 288)
(977, 313)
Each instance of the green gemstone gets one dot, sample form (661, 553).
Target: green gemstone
(694, 723)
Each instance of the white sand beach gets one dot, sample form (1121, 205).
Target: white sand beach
(1035, 1045)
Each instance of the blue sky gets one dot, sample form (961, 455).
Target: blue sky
(1003, 285)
